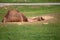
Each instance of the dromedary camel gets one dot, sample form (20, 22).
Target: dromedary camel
(14, 16)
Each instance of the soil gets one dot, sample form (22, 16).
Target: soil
(31, 20)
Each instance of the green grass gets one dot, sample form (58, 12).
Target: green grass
(33, 31)
(28, 1)
(30, 10)
(30, 32)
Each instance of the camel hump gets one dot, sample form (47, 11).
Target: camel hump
(14, 16)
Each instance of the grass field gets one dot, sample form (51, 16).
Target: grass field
(33, 31)
(28, 1)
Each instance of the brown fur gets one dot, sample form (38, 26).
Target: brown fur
(14, 16)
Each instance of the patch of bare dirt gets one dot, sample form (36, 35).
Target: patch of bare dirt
(44, 19)
(41, 18)
(15, 17)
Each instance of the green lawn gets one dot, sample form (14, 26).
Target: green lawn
(30, 1)
(33, 31)
(31, 10)
(50, 31)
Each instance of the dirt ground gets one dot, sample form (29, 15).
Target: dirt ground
(47, 20)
